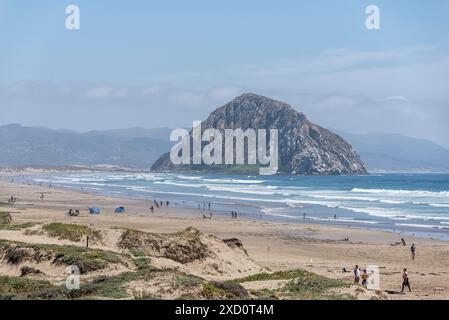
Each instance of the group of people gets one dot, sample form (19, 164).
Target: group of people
(204, 209)
(204, 206)
(73, 212)
(210, 216)
(361, 275)
(12, 200)
(234, 214)
(158, 204)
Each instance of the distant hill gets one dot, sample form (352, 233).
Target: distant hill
(304, 147)
(397, 153)
(140, 148)
(33, 146)
(136, 132)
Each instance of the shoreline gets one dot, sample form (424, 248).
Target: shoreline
(252, 211)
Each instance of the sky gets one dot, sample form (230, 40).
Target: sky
(168, 63)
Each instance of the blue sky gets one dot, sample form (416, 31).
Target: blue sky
(132, 60)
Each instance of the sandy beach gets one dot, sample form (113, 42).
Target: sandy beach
(272, 246)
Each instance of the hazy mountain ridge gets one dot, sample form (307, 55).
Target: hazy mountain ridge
(28, 146)
(32, 146)
(386, 152)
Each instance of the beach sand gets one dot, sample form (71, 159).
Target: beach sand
(274, 246)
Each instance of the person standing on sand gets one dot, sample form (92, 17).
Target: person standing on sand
(413, 251)
(405, 281)
(152, 209)
(364, 278)
(356, 274)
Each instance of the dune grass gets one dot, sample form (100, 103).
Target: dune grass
(16, 287)
(5, 218)
(301, 285)
(279, 275)
(72, 232)
(86, 259)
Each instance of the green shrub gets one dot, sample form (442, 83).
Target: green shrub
(72, 232)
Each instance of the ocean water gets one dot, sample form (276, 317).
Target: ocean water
(404, 203)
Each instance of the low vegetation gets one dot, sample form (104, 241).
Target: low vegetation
(16, 287)
(72, 232)
(86, 259)
(5, 218)
(314, 287)
(182, 247)
(224, 290)
(279, 275)
(101, 287)
(301, 284)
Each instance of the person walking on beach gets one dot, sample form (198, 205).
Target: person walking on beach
(152, 209)
(42, 196)
(209, 206)
(413, 251)
(356, 274)
(405, 281)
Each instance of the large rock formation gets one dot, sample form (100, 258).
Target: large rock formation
(304, 147)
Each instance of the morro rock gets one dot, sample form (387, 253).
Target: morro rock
(304, 147)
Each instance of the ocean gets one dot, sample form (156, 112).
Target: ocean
(404, 203)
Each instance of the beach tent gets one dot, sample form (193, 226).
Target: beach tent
(94, 210)
(120, 210)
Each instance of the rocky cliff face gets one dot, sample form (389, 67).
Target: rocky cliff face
(304, 147)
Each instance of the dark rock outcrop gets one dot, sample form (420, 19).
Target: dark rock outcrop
(304, 147)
